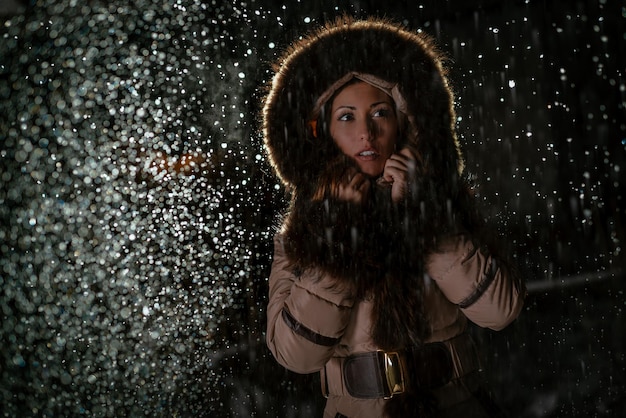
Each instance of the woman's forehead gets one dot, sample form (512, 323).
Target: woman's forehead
(360, 93)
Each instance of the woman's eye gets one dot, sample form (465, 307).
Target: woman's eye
(381, 113)
(345, 117)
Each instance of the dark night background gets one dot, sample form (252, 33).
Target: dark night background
(137, 211)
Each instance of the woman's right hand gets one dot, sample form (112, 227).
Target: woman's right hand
(354, 187)
(400, 169)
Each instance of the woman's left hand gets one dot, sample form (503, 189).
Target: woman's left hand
(399, 169)
(353, 188)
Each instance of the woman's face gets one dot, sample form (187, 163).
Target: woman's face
(364, 125)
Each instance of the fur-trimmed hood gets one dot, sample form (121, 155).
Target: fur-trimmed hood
(375, 47)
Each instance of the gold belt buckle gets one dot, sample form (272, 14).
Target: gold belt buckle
(394, 373)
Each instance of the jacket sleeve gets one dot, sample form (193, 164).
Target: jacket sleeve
(306, 315)
(488, 293)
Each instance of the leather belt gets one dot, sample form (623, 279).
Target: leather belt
(380, 374)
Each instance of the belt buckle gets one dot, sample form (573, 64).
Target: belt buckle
(394, 373)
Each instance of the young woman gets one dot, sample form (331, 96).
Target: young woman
(378, 264)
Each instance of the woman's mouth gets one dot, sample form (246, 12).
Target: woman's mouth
(367, 155)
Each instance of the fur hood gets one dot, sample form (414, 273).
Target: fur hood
(376, 47)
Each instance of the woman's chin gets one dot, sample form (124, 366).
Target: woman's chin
(371, 172)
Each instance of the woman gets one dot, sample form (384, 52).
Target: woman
(378, 263)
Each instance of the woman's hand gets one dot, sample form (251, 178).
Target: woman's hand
(354, 187)
(399, 169)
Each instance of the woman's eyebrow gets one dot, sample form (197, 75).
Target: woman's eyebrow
(379, 103)
(354, 107)
(344, 107)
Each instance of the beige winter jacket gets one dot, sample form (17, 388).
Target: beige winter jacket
(333, 325)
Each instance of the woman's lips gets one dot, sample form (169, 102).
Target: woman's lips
(367, 155)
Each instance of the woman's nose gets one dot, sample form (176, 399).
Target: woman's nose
(367, 130)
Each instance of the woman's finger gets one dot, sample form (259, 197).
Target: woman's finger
(406, 151)
(354, 189)
(357, 180)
